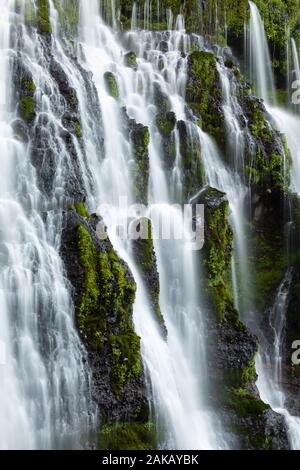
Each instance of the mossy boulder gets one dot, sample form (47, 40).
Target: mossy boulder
(68, 15)
(111, 84)
(140, 139)
(26, 90)
(104, 293)
(192, 167)
(204, 94)
(218, 251)
(143, 250)
(130, 60)
(43, 17)
(166, 123)
(128, 436)
(267, 156)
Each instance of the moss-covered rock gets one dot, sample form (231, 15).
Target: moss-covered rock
(140, 139)
(145, 257)
(192, 167)
(43, 17)
(128, 436)
(130, 60)
(204, 95)
(68, 13)
(108, 287)
(26, 91)
(104, 293)
(166, 123)
(112, 84)
(218, 250)
(268, 166)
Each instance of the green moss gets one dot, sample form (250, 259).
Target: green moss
(78, 131)
(43, 16)
(128, 436)
(249, 373)
(269, 166)
(28, 85)
(108, 292)
(82, 210)
(140, 139)
(27, 108)
(204, 95)
(166, 123)
(111, 84)
(68, 12)
(218, 250)
(245, 404)
(267, 263)
(91, 320)
(193, 174)
(146, 260)
(126, 359)
(130, 60)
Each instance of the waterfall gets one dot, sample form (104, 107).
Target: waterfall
(176, 366)
(268, 383)
(271, 358)
(295, 57)
(44, 381)
(295, 74)
(259, 57)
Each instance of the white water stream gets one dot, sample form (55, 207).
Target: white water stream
(269, 381)
(44, 392)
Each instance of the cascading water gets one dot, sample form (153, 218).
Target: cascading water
(259, 57)
(269, 385)
(176, 367)
(44, 381)
(271, 358)
(45, 375)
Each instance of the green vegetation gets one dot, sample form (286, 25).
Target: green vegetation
(68, 12)
(204, 95)
(27, 108)
(43, 17)
(245, 404)
(191, 161)
(267, 262)
(217, 254)
(166, 123)
(130, 60)
(27, 102)
(127, 436)
(108, 291)
(140, 139)
(146, 260)
(82, 210)
(111, 84)
(77, 128)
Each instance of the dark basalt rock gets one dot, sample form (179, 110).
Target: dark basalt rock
(130, 404)
(210, 197)
(250, 423)
(144, 254)
(130, 60)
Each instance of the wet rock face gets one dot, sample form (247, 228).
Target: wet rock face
(103, 292)
(204, 95)
(144, 254)
(52, 142)
(250, 423)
